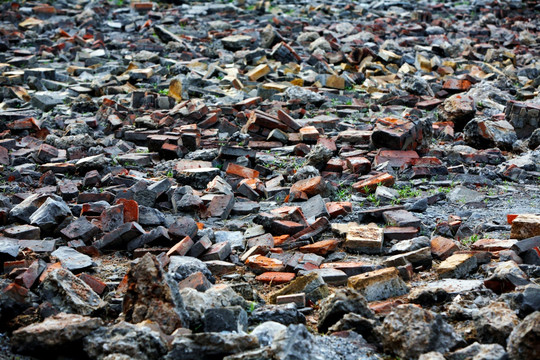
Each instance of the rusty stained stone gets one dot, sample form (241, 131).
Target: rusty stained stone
(150, 297)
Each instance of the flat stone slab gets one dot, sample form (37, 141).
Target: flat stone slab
(452, 286)
(71, 259)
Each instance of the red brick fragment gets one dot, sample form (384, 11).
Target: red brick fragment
(370, 184)
(275, 277)
(131, 210)
(96, 284)
(320, 247)
(182, 247)
(242, 171)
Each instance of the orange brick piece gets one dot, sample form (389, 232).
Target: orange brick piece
(97, 285)
(242, 171)
(182, 247)
(311, 186)
(309, 133)
(335, 209)
(275, 277)
(320, 247)
(442, 247)
(260, 264)
(131, 210)
(359, 165)
(510, 218)
(371, 183)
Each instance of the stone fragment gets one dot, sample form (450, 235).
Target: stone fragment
(485, 134)
(478, 351)
(285, 314)
(462, 195)
(152, 296)
(71, 259)
(50, 214)
(523, 341)
(429, 333)
(112, 217)
(23, 232)
(210, 345)
(236, 42)
(119, 237)
(495, 322)
(184, 226)
(180, 267)
(220, 206)
(339, 304)
(524, 117)
(298, 299)
(506, 277)
(525, 226)
(457, 266)
(366, 239)
(229, 319)
(218, 251)
(401, 218)
(458, 109)
(125, 341)
(80, 229)
(68, 293)
(61, 333)
(311, 284)
(379, 284)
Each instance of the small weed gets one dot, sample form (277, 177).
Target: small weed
(170, 174)
(407, 192)
(470, 240)
(251, 307)
(164, 91)
(371, 198)
(344, 191)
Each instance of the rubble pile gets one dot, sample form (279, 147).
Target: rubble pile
(248, 179)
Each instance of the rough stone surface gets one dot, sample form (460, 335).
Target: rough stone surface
(429, 332)
(68, 293)
(58, 333)
(152, 296)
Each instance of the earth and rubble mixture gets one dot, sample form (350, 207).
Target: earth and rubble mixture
(249, 180)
